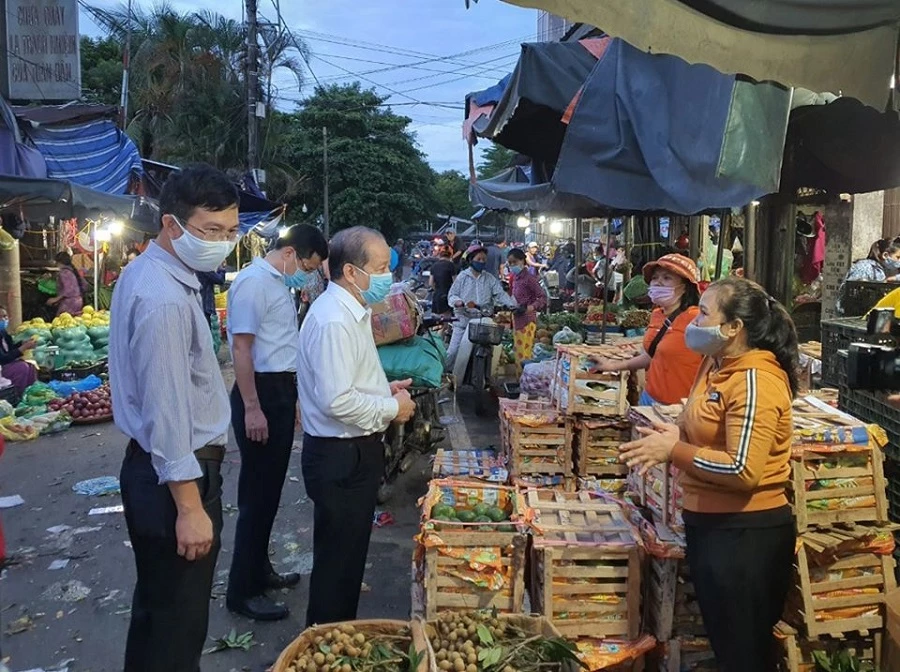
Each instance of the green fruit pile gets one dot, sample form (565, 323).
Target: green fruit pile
(480, 513)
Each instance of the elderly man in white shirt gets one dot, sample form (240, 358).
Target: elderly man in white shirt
(346, 404)
(262, 331)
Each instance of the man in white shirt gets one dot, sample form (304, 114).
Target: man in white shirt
(346, 404)
(262, 331)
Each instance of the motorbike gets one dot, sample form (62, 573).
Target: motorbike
(484, 335)
(422, 433)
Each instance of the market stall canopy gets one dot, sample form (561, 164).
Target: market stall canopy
(39, 199)
(632, 131)
(521, 189)
(848, 48)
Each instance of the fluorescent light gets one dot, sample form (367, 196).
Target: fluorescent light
(754, 202)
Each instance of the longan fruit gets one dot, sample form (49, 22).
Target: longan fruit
(312, 667)
(346, 668)
(472, 667)
(459, 665)
(319, 658)
(453, 636)
(472, 658)
(329, 636)
(441, 655)
(445, 665)
(330, 658)
(359, 638)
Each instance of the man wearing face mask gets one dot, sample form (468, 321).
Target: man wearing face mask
(347, 404)
(262, 331)
(171, 402)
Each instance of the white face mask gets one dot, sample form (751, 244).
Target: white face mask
(198, 254)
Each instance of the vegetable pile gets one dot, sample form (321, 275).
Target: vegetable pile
(481, 642)
(93, 405)
(345, 649)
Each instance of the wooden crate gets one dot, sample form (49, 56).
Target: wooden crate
(796, 653)
(570, 389)
(536, 438)
(670, 606)
(616, 487)
(809, 601)
(597, 444)
(552, 481)
(585, 565)
(659, 491)
(477, 464)
(684, 654)
(463, 566)
(810, 490)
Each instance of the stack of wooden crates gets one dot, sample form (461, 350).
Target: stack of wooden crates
(844, 564)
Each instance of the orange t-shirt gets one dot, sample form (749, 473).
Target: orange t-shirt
(674, 366)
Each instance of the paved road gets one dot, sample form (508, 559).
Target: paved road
(79, 613)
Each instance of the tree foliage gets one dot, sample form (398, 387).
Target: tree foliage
(452, 192)
(495, 159)
(101, 70)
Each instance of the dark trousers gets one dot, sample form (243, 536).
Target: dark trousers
(342, 477)
(741, 577)
(170, 607)
(263, 468)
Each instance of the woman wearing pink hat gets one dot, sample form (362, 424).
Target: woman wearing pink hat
(671, 366)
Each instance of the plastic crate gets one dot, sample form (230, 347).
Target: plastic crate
(861, 296)
(837, 335)
(871, 407)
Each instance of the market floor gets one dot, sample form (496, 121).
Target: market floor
(76, 616)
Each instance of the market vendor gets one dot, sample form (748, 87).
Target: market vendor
(671, 365)
(12, 366)
(70, 287)
(733, 447)
(532, 298)
(882, 265)
(473, 289)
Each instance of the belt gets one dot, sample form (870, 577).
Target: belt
(376, 437)
(292, 375)
(213, 453)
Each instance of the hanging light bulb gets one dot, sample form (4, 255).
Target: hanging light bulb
(522, 222)
(556, 227)
(116, 227)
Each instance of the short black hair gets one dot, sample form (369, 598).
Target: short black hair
(349, 247)
(516, 254)
(64, 258)
(306, 240)
(197, 186)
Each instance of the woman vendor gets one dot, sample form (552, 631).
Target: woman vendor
(532, 298)
(733, 447)
(69, 287)
(882, 265)
(671, 365)
(12, 366)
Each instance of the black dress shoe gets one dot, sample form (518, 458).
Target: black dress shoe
(278, 581)
(259, 608)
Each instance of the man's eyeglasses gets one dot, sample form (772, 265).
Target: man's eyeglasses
(212, 235)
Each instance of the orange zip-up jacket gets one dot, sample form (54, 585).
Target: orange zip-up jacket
(737, 431)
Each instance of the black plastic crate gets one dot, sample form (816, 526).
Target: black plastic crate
(871, 407)
(837, 335)
(861, 296)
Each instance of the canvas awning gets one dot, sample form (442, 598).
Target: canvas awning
(847, 48)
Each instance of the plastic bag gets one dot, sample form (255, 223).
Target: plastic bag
(567, 337)
(6, 409)
(422, 359)
(52, 422)
(17, 429)
(84, 385)
(537, 378)
(542, 352)
(38, 394)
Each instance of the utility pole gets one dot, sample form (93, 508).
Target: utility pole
(252, 88)
(126, 71)
(325, 223)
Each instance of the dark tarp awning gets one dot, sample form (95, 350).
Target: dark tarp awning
(38, 199)
(517, 190)
(70, 113)
(847, 48)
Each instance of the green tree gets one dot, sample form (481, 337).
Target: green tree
(495, 159)
(377, 175)
(101, 70)
(452, 192)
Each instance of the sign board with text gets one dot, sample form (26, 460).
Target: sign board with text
(41, 50)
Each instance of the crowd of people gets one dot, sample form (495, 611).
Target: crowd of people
(732, 352)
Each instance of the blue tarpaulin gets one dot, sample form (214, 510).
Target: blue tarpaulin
(95, 154)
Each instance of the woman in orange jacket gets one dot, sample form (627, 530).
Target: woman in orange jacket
(733, 448)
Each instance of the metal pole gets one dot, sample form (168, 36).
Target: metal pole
(606, 276)
(96, 269)
(126, 72)
(252, 87)
(326, 225)
(750, 241)
(579, 253)
(724, 223)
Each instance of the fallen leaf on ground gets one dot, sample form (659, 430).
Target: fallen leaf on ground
(20, 625)
(232, 641)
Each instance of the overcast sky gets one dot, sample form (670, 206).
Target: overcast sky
(431, 52)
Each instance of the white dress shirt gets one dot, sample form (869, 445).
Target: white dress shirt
(343, 390)
(259, 303)
(167, 389)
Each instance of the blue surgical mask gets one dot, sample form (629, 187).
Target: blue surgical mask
(892, 266)
(708, 341)
(515, 270)
(298, 280)
(4, 325)
(379, 287)
(478, 266)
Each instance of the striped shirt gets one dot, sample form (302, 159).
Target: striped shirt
(167, 390)
(485, 291)
(260, 304)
